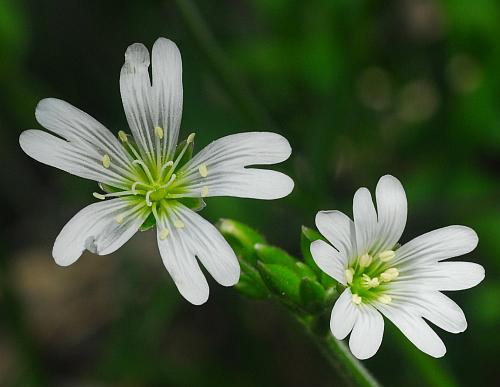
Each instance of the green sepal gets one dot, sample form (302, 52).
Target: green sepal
(149, 223)
(281, 281)
(307, 236)
(242, 238)
(250, 289)
(305, 271)
(109, 188)
(272, 254)
(312, 295)
(252, 275)
(327, 281)
(195, 204)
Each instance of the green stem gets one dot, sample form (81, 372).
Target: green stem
(221, 65)
(338, 355)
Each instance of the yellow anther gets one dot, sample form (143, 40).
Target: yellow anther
(385, 299)
(349, 275)
(164, 233)
(159, 132)
(370, 282)
(99, 196)
(203, 170)
(356, 299)
(389, 274)
(365, 260)
(387, 255)
(204, 192)
(178, 223)
(122, 136)
(190, 138)
(119, 219)
(106, 161)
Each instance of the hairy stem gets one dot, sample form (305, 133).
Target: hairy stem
(339, 357)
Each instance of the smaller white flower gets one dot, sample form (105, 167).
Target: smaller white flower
(404, 284)
(149, 178)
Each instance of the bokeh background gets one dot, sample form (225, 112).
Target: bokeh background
(360, 88)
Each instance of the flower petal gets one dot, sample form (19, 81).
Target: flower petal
(344, 314)
(415, 329)
(392, 210)
(135, 89)
(442, 311)
(434, 246)
(451, 275)
(96, 229)
(167, 91)
(329, 260)
(72, 158)
(339, 230)
(192, 237)
(79, 128)
(224, 162)
(366, 336)
(365, 220)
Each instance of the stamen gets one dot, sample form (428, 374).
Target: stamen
(148, 201)
(356, 299)
(365, 260)
(159, 132)
(389, 274)
(99, 196)
(179, 223)
(204, 191)
(385, 299)
(165, 166)
(119, 218)
(387, 255)
(370, 282)
(349, 275)
(145, 168)
(203, 170)
(106, 161)
(122, 136)
(190, 139)
(164, 233)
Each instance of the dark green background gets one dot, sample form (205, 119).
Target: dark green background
(360, 89)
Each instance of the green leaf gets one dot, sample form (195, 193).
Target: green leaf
(280, 280)
(271, 254)
(308, 236)
(312, 295)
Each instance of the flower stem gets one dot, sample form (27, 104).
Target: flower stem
(338, 355)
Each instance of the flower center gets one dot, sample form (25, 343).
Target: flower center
(369, 277)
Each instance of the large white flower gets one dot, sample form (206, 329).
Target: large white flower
(151, 179)
(402, 283)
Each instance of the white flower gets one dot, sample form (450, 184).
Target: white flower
(150, 178)
(404, 284)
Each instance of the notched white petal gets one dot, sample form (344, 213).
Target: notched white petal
(367, 333)
(95, 228)
(339, 229)
(329, 260)
(365, 220)
(344, 314)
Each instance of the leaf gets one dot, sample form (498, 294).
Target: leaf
(305, 271)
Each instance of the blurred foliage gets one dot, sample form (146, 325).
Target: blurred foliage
(360, 88)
